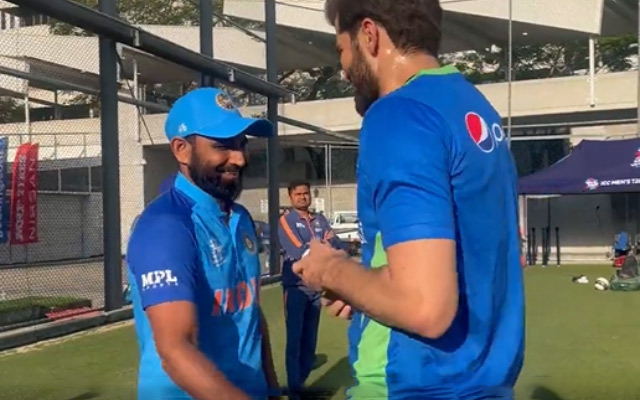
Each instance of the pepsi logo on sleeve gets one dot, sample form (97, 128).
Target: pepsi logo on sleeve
(484, 137)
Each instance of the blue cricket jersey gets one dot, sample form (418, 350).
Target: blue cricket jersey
(434, 164)
(181, 249)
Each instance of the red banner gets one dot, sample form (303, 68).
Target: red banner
(24, 195)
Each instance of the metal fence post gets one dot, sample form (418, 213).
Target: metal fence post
(110, 166)
(273, 162)
(206, 36)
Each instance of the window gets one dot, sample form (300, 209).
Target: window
(75, 180)
(257, 167)
(96, 179)
(343, 165)
(49, 180)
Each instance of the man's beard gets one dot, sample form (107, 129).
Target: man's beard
(367, 89)
(211, 182)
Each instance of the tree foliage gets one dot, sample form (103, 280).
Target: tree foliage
(11, 110)
(484, 66)
(613, 54)
(151, 12)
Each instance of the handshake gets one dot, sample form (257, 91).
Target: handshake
(318, 268)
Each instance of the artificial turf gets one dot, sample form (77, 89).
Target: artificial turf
(580, 346)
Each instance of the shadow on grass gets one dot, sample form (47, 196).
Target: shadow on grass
(326, 386)
(321, 359)
(85, 396)
(543, 393)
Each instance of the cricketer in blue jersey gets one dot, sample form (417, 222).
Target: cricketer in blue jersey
(194, 266)
(437, 305)
(296, 228)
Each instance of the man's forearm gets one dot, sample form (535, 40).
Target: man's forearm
(267, 357)
(197, 376)
(369, 291)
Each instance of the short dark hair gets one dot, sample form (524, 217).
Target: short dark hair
(296, 184)
(412, 25)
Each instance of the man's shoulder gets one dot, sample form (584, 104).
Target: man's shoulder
(167, 215)
(161, 236)
(244, 214)
(398, 123)
(385, 113)
(241, 210)
(289, 215)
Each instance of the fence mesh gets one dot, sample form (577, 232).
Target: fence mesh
(50, 96)
(61, 270)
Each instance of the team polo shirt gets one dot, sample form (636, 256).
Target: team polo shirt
(295, 232)
(434, 164)
(182, 249)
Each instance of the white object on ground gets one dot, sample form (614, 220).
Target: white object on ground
(601, 284)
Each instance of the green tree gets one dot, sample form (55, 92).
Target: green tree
(152, 12)
(316, 83)
(546, 60)
(11, 110)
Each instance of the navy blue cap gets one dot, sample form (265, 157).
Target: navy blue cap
(210, 112)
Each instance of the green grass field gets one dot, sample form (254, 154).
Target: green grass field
(580, 346)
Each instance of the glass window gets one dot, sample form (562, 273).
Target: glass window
(75, 179)
(48, 180)
(96, 179)
(343, 165)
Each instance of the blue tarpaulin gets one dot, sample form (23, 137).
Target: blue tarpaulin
(594, 166)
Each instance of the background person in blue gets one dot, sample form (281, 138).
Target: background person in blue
(439, 294)
(194, 266)
(296, 228)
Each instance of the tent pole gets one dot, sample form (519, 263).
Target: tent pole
(592, 71)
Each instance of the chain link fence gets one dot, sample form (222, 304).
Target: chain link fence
(50, 101)
(52, 175)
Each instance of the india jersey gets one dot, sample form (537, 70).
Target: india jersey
(181, 249)
(434, 164)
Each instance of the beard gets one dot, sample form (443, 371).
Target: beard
(210, 180)
(367, 89)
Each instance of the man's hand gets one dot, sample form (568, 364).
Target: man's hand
(335, 306)
(319, 260)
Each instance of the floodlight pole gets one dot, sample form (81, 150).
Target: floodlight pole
(110, 165)
(206, 36)
(273, 160)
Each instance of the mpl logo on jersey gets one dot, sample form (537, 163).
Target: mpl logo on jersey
(484, 137)
(158, 279)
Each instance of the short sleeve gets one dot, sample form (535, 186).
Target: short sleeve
(162, 257)
(406, 160)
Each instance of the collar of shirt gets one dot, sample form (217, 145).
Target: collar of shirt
(302, 217)
(204, 200)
